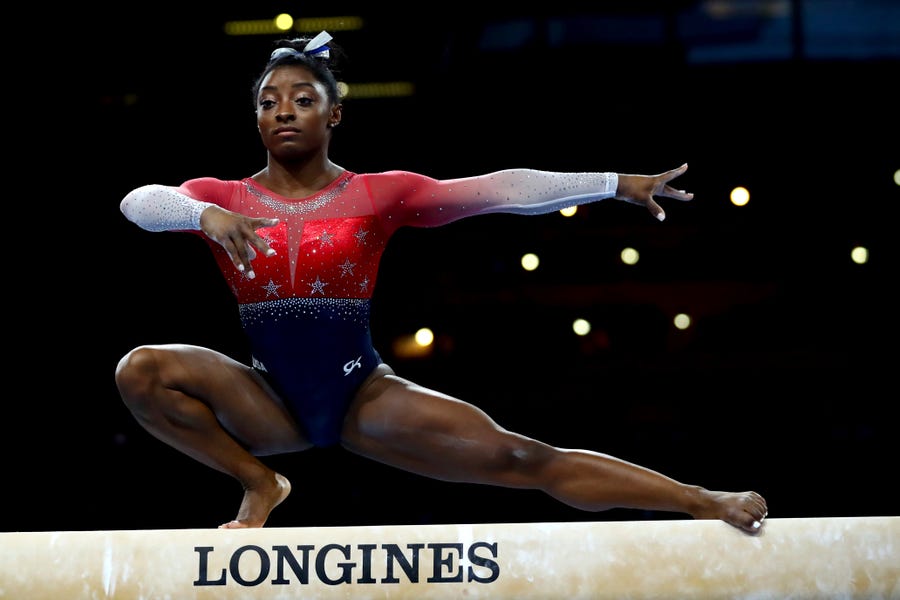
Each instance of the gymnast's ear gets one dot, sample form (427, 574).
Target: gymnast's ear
(336, 114)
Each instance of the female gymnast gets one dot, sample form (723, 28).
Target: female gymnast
(299, 243)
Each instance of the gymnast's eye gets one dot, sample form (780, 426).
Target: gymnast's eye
(304, 101)
(266, 104)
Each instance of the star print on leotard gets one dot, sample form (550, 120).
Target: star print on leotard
(326, 239)
(317, 287)
(271, 289)
(347, 267)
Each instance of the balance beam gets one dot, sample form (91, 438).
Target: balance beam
(798, 558)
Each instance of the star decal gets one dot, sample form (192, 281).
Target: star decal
(347, 267)
(326, 239)
(318, 286)
(364, 284)
(271, 289)
(360, 236)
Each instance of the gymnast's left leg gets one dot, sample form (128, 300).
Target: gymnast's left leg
(399, 423)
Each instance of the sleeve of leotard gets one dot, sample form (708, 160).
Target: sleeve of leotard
(156, 207)
(411, 199)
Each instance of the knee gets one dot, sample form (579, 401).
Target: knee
(137, 374)
(520, 455)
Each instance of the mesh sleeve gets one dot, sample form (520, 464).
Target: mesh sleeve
(412, 199)
(162, 208)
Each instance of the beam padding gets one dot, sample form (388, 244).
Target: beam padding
(798, 558)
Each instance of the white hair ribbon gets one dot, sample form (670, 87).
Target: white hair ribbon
(318, 45)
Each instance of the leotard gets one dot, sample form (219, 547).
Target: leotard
(306, 312)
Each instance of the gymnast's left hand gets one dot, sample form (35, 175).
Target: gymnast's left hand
(641, 189)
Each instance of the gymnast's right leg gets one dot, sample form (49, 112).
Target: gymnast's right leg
(217, 411)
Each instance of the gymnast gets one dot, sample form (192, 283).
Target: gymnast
(299, 243)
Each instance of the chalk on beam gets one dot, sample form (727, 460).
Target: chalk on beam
(846, 557)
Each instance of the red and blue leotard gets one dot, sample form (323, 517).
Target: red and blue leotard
(306, 313)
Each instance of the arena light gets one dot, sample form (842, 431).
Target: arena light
(378, 89)
(285, 22)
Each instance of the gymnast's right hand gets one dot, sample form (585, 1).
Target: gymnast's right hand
(236, 233)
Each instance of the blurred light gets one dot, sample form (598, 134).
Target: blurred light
(258, 27)
(740, 196)
(387, 89)
(414, 346)
(682, 321)
(284, 22)
(729, 9)
(329, 24)
(424, 337)
(530, 261)
(568, 212)
(897, 176)
(581, 327)
(629, 256)
(859, 255)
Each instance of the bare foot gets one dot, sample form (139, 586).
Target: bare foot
(744, 510)
(258, 503)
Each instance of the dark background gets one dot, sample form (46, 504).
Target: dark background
(784, 384)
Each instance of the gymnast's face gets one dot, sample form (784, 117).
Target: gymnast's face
(293, 113)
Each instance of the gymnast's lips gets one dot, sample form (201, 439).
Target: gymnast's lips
(286, 131)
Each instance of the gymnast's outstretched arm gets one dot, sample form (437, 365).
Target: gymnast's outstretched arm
(426, 202)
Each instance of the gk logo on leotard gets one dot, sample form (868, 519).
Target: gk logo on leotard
(353, 364)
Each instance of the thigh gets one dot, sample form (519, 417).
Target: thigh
(243, 402)
(406, 425)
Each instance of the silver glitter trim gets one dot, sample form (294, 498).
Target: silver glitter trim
(301, 207)
(354, 310)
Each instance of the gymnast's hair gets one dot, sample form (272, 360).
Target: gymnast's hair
(294, 51)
